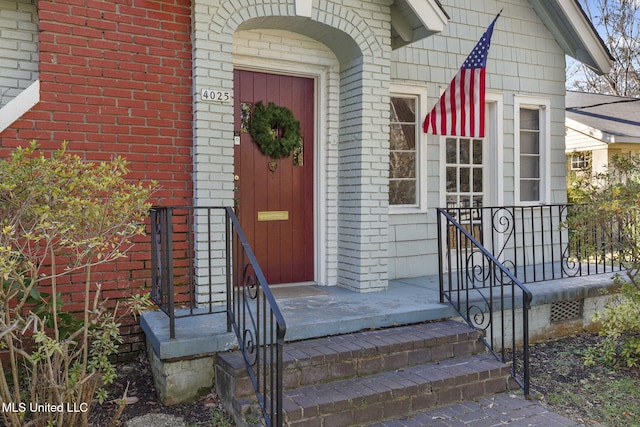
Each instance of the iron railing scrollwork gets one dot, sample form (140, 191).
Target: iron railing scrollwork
(488, 296)
(258, 323)
(489, 253)
(537, 243)
(202, 264)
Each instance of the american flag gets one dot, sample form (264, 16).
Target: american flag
(460, 110)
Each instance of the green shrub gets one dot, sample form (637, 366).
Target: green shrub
(620, 326)
(611, 212)
(60, 217)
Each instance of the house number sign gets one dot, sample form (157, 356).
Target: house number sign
(216, 95)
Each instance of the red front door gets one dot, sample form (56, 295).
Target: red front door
(274, 198)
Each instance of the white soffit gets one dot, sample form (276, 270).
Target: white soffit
(587, 131)
(413, 20)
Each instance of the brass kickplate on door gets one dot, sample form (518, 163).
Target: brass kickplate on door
(273, 216)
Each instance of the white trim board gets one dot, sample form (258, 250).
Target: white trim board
(19, 105)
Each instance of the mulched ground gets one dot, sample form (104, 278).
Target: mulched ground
(142, 399)
(562, 382)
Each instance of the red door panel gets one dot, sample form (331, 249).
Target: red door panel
(284, 248)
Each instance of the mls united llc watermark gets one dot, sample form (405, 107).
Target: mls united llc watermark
(43, 407)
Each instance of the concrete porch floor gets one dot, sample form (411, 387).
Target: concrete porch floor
(314, 311)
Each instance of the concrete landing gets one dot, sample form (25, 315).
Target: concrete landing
(314, 311)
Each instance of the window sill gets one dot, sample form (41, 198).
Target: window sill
(404, 210)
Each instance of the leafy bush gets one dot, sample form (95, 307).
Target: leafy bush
(620, 321)
(612, 207)
(60, 217)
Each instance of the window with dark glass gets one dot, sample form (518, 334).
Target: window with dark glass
(530, 155)
(403, 181)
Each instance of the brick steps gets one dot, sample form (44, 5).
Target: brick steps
(370, 376)
(387, 395)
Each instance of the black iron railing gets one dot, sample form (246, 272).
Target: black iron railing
(257, 322)
(488, 296)
(217, 272)
(535, 243)
(173, 258)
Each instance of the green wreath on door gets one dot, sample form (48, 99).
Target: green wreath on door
(275, 130)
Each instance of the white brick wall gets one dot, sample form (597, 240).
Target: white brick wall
(524, 60)
(355, 128)
(18, 47)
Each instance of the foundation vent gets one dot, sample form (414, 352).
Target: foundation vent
(566, 310)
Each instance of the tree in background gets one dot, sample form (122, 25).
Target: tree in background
(618, 23)
(609, 221)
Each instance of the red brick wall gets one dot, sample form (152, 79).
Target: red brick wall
(116, 79)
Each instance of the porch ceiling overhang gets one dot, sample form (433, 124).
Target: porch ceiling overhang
(413, 20)
(574, 32)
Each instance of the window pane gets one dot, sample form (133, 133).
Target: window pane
(451, 151)
(402, 192)
(403, 110)
(402, 164)
(464, 180)
(452, 181)
(477, 151)
(477, 180)
(529, 167)
(465, 155)
(403, 137)
(530, 191)
(529, 142)
(529, 119)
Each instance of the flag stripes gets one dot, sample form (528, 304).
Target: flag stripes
(461, 110)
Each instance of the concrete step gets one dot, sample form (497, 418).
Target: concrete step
(374, 375)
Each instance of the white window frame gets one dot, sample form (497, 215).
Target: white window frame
(543, 105)
(493, 154)
(420, 93)
(580, 160)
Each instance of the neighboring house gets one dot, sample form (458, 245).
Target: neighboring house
(598, 128)
(165, 84)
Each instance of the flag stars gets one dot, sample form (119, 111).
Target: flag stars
(460, 109)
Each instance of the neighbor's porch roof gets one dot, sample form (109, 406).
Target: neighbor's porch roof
(602, 119)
